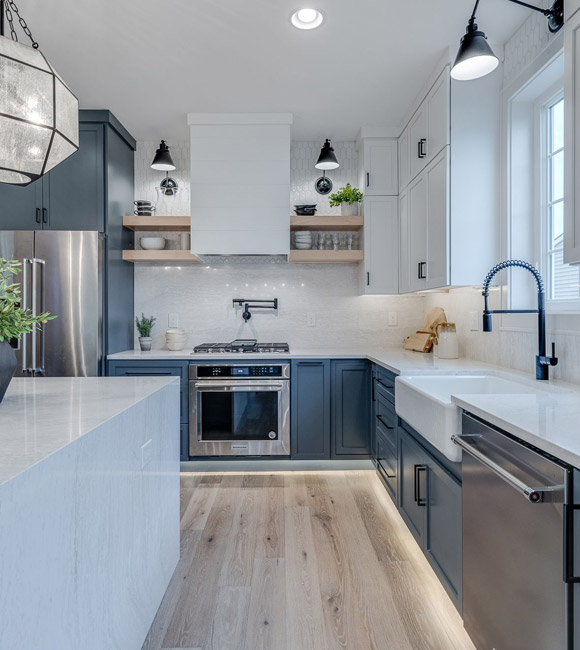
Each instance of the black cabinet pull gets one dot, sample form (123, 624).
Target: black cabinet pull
(368, 179)
(569, 572)
(419, 500)
(380, 419)
(368, 278)
(421, 153)
(382, 383)
(38, 220)
(421, 270)
(373, 384)
(44, 215)
(384, 469)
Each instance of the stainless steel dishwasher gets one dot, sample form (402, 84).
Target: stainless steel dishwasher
(517, 543)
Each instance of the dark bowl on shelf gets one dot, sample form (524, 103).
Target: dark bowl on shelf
(305, 210)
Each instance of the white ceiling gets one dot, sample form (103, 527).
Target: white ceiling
(153, 61)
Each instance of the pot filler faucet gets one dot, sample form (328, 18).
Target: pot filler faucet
(254, 304)
(543, 362)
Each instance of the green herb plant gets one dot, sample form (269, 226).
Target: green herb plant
(145, 325)
(347, 194)
(14, 319)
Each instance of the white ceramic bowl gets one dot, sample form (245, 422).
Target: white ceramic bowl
(303, 247)
(175, 346)
(152, 243)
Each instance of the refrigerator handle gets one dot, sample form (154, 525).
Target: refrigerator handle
(37, 308)
(26, 264)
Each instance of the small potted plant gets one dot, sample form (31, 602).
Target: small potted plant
(15, 321)
(349, 199)
(144, 327)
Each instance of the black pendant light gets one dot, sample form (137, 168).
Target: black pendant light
(162, 160)
(39, 115)
(475, 57)
(327, 159)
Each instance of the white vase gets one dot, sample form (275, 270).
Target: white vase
(349, 209)
(145, 343)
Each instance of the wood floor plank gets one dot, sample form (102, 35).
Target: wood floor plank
(192, 619)
(228, 631)
(270, 540)
(156, 634)
(380, 527)
(267, 615)
(295, 493)
(198, 502)
(238, 560)
(304, 621)
(190, 479)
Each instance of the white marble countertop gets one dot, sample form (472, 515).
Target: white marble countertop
(549, 421)
(42, 415)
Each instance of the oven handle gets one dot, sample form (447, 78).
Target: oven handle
(236, 386)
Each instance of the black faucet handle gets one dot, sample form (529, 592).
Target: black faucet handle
(553, 358)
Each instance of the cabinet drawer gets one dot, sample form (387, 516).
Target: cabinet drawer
(384, 389)
(387, 463)
(386, 424)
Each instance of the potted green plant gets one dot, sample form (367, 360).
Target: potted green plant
(144, 327)
(14, 321)
(349, 199)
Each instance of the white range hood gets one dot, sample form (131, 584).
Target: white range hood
(240, 183)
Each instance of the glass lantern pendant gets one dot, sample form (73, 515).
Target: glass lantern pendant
(39, 115)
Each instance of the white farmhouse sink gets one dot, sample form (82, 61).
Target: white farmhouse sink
(424, 402)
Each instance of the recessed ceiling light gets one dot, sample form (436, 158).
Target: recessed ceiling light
(307, 18)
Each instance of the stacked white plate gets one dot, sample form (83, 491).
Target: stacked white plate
(303, 239)
(175, 339)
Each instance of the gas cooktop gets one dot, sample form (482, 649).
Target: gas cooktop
(248, 346)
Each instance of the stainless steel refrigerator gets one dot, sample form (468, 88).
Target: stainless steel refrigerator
(62, 272)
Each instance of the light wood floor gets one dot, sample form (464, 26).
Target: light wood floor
(300, 561)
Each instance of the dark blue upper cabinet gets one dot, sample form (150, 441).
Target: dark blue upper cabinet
(75, 195)
(310, 410)
(74, 190)
(21, 207)
(351, 408)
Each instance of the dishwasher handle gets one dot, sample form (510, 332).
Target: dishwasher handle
(552, 493)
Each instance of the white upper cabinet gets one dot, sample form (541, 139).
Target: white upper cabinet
(381, 245)
(449, 209)
(427, 132)
(572, 148)
(380, 167)
(240, 183)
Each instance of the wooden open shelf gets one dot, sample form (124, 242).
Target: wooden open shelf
(325, 257)
(163, 256)
(168, 224)
(320, 222)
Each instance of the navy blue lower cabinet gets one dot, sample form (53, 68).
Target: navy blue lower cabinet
(351, 408)
(413, 461)
(443, 539)
(431, 505)
(159, 368)
(310, 409)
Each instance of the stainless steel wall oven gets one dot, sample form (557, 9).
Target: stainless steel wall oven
(239, 409)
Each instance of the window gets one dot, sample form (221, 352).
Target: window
(562, 280)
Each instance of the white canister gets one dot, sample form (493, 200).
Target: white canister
(448, 347)
(185, 241)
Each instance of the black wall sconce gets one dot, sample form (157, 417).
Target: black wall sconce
(475, 57)
(163, 162)
(326, 161)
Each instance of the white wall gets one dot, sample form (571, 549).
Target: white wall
(202, 295)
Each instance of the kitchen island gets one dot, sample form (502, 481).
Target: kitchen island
(89, 510)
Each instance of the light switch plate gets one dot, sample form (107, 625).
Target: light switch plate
(392, 319)
(311, 319)
(474, 318)
(173, 320)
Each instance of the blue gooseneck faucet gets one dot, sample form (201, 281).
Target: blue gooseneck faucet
(543, 362)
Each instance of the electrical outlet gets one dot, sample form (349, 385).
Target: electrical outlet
(173, 320)
(474, 317)
(146, 453)
(311, 319)
(392, 319)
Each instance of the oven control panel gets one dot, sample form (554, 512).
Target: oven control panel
(241, 372)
